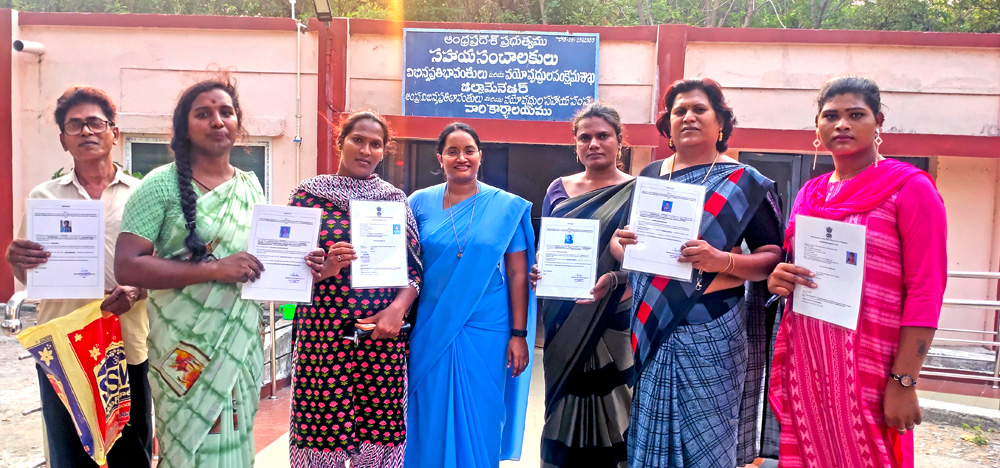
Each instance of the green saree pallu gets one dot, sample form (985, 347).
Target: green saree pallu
(204, 344)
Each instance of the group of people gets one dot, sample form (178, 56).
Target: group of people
(652, 372)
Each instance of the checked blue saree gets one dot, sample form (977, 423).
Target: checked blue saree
(701, 358)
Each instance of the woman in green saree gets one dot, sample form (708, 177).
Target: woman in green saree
(184, 236)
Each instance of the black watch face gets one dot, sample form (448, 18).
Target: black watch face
(906, 381)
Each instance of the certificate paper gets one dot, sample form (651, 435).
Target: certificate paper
(664, 216)
(73, 232)
(567, 258)
(835, 252)
(281, 237)
(378, 234)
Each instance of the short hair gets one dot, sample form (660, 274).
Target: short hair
(600, 110)
(851, 84)
(455, 127)
(77, 95)
(712, 89)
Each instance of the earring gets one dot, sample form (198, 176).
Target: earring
(670, 143)
(720, 135)
(878, 144)
(816, 144)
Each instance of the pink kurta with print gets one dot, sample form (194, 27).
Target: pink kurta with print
(828, 382)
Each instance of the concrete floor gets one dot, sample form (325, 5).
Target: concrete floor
(274, 454)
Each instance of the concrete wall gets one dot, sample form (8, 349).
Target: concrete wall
(932, 90)
(144, 70)
(925, 90)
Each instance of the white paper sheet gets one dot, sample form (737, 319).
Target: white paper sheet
(281, 237)
(835, 252)
(72, 231)
(664, 216)
(378, 234)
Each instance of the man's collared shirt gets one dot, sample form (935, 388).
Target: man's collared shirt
(135, 323)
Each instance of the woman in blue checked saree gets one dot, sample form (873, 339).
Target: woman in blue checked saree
(700, 346)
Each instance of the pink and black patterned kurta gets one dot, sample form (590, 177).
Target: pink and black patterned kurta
(828, 382)
(348, 401)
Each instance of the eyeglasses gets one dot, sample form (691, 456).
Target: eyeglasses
(468, 152)
(75, 127)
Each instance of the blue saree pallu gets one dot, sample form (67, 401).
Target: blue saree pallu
(465, 410)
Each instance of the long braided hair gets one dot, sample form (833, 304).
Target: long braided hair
(180, 145)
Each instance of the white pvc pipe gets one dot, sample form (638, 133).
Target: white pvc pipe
(298, 96)
(29, 47)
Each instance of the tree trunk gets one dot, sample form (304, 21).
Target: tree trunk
(709, 13)
(641, 12)
(541, 6)
(751, 9)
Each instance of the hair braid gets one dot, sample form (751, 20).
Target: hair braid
(189, 201)
(180, 145)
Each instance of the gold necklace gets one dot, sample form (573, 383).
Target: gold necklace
(451, 215)
(672, 161)
(841, 179)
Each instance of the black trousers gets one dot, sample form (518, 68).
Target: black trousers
(133, 449)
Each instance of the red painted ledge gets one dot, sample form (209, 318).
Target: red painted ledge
(110, 20)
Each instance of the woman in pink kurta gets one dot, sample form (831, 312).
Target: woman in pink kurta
(847, 398)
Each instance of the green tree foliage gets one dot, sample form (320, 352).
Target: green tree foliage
(898, 15)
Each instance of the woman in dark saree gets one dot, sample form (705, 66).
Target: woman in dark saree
(588, 357)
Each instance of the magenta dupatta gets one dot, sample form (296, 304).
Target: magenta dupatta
(867, 191)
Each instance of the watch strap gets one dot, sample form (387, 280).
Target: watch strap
(518, 333)
(900, 378)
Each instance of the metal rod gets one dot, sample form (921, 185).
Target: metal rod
(32, 410)
(984, 378)
(974, 274)
(996, 353)
(962, 330)
(971, 303)
(975, 342)
(274, 364)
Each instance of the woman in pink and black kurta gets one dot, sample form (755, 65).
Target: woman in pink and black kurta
(349, 399)
(847, 397)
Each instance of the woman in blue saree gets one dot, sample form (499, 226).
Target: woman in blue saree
(475, 317)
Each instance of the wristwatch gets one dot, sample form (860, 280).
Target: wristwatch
(519, 333)
(904, 380)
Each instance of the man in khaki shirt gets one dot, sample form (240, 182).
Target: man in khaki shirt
(86, 120)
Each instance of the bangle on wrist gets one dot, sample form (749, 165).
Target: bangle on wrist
(731, 266)
(520, 333)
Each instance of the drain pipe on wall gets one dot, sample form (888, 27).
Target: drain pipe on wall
(298, 95)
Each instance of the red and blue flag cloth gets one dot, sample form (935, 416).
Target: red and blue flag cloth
(83, 356)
